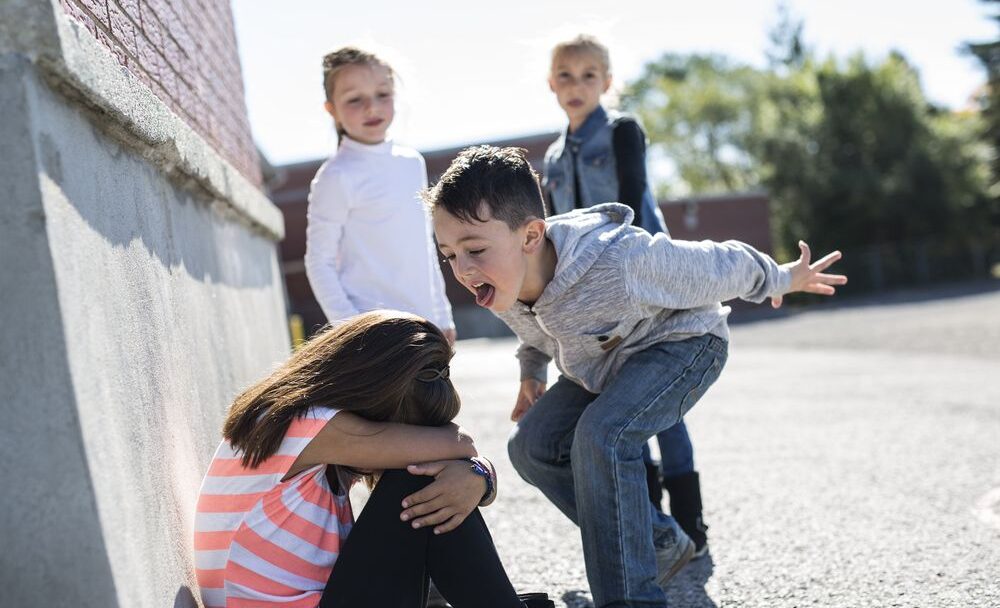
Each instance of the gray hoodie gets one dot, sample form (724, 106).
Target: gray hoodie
(617, 291)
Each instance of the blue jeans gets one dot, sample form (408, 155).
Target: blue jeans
(676, 452)
(584, 452)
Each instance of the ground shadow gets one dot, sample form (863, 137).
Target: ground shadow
(686, 589)
(577, 599)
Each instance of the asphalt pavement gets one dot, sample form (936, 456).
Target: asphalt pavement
(849, 455)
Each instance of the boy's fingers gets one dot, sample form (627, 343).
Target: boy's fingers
(823, 290)
(825, 262)
(806, 253)
(519, 408)
(776, 302)
(831, 279)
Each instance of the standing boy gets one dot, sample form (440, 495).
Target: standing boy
(635, 326)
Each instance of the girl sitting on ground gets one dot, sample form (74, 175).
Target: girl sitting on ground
(368, 398)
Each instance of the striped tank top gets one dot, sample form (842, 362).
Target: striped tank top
(260, 541)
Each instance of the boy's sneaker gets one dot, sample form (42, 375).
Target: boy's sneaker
(670, 560)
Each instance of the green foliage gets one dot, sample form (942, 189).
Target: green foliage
(695, 108)
(850, 150)
(988, 54)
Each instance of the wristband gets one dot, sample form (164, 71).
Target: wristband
(484, 468)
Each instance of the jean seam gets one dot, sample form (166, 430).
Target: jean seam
(617, 475)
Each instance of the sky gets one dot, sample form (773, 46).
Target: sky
(473, 71)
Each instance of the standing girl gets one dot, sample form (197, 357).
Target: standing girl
(601, 157)
(367, 397)
(369, 242)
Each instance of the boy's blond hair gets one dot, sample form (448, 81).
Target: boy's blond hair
(583, 44)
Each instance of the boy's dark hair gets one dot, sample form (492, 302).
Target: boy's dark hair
(499, 180)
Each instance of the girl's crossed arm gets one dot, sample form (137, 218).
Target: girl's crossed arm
(350, 440)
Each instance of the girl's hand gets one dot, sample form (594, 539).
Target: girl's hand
(810, 278)
(531, 390)
(448, 500)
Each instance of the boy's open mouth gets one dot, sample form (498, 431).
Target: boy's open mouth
(484, 294)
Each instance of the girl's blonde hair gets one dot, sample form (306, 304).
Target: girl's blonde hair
(337, 60)
(580, 44)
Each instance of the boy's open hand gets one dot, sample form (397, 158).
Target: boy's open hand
(810, 277)
(531, 390)
(448, 500)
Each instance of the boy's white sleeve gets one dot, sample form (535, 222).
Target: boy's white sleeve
(680, 275)
(329, 209)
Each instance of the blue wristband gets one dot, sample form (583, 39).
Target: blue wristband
(482, 469)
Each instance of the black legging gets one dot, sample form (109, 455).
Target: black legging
(385, 562)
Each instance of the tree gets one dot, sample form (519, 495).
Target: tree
(696, 109)
(988, 54)
(851, 152)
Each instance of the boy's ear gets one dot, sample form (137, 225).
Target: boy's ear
(328, 106)
(552, 84)
(534, 235)
(607, 83)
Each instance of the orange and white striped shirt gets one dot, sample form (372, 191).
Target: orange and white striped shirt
(260, 541)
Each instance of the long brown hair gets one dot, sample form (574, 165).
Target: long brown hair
(382, 365)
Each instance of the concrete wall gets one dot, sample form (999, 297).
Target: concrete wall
(139, 291)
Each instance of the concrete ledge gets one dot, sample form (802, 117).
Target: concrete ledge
(78, 66)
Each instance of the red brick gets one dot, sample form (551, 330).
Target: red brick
(131, 8)
(79, 15)
(168, 79)
(122, 28)
(161, 8)
(113, 46)
(151, 26)
(97, 8)
(185, 51)
(149, 58)
(172, 53)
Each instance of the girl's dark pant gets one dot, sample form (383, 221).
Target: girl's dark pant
(385, 562)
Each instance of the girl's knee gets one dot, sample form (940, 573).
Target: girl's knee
(400, 482)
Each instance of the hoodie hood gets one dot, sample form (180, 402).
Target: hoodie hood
(580, 238)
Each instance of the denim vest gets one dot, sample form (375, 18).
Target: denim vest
(589, 153)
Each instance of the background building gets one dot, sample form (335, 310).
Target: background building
(140, 290)
(745, 217)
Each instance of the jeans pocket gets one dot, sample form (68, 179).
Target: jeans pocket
(708, 371)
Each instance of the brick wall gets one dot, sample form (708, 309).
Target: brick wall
(185, 52)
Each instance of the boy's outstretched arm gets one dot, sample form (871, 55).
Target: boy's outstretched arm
(679, 275)
(810, 278)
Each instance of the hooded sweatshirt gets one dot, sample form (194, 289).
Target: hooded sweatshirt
(617, 290)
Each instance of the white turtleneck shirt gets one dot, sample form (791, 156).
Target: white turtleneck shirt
(369, 239)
